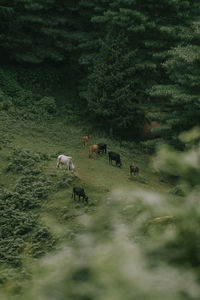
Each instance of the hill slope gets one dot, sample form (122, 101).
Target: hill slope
(53, 137)
(26, 141)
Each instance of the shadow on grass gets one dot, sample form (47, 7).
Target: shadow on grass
(138, 179)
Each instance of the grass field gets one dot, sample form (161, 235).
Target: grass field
(95, 175)
(58, 211)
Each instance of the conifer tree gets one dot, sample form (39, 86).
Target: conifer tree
(148, 31)
(112, 97)
(178, 96)
(41, 30)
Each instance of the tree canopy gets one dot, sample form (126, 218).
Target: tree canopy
(133, 61)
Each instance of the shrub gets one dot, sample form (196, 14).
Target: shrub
(46, 104)
(19, 224)
(151, 145)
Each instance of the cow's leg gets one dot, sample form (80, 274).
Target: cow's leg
(58, 164)
(67, 166)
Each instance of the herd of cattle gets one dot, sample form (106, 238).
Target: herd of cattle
(97, 148)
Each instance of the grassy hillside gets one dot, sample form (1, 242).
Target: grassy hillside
(24, 140)
(56, 137)
(113, 237)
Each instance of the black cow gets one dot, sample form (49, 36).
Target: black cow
(116, 157)
(134, 169)
(80, 192)
(102, 148)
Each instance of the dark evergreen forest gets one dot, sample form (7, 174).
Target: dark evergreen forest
(127, 62)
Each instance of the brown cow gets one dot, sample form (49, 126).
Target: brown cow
(85, 139)
(162, 220)
(134, 169)
(93, 148)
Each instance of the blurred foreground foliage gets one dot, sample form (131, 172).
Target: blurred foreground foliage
(140, 245)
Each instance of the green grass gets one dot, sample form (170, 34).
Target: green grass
(95, 175)
(53, 137)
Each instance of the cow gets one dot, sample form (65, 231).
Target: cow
(114, 156)
(134, 169)
(162, 220)
(92, 149)
(85, 139)
(102, 147)
(67, 160)
(80, 192)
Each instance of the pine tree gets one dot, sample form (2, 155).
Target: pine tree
(148, 30)
(112, 98)
(41, 30)
(178, 96)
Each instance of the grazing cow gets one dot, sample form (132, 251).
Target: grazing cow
(85, 139)
(93, 148)
(102, 148)
(162, 220)
(67, 160)
(134, 169)
(114, 156)
(80, 192)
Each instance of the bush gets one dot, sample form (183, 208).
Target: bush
(151, 145)
(46, 104)
(177, 190)
(19, 223)
(12, 93)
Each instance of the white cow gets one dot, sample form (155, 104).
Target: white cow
(63, 159)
